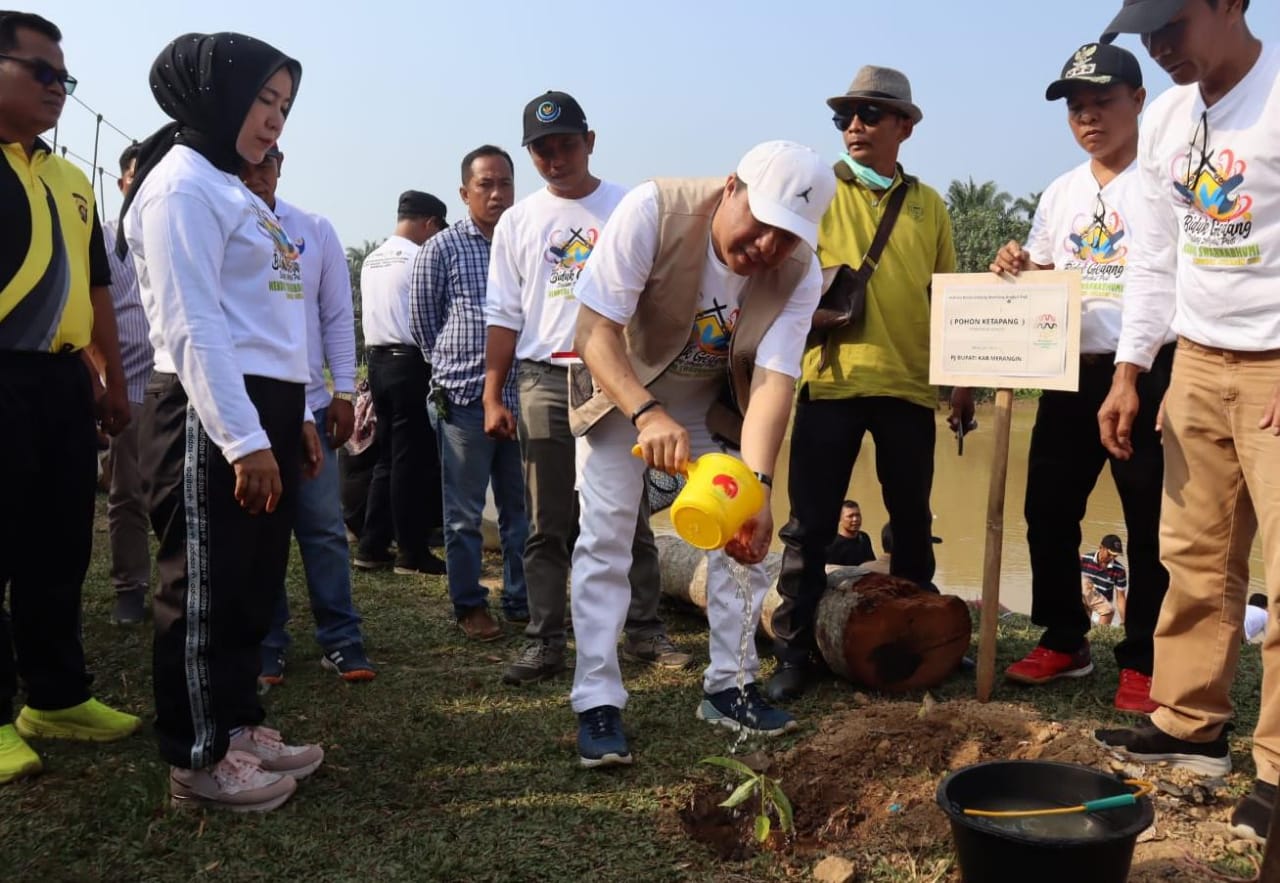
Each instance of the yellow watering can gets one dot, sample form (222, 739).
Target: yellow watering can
(720, 495)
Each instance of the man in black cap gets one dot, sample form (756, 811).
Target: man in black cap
(1083, 223)
(1104, 582)
(404, 493)
(1205, 264)
(540, 246)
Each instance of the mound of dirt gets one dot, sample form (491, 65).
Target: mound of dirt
(864, 783)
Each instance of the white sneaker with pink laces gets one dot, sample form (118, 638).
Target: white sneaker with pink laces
(264, 743)
(237, 783)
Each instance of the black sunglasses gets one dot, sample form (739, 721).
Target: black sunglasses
(44, 73)
(871, 114)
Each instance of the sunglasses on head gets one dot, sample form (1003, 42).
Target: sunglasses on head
(44, 73)
(869, 113)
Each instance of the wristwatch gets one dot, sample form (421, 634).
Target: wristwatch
(345, 396)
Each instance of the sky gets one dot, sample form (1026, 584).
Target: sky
(395, 92)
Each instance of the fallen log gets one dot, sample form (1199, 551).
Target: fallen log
(876, 630)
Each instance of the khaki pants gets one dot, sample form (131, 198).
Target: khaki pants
(1222, 480)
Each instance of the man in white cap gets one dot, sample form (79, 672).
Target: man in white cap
(692, 317)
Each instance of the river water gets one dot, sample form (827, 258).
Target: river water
(960, 487)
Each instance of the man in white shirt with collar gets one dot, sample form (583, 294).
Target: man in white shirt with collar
(331, 343)
(1207, 259)
(404, 493)
(1083, 223)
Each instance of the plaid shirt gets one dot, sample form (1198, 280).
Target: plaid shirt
(446, 312)
(136, 354)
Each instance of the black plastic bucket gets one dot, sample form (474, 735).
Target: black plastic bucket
(994, 853)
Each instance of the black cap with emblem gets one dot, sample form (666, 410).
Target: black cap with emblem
(555, 113)
(1096, 64)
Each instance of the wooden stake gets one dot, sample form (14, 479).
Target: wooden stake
(990, 616)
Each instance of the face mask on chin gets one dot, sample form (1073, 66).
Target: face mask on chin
(868, 176)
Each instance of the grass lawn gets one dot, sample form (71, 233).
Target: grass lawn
(436, 771)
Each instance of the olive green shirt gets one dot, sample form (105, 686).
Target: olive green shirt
(887, 353)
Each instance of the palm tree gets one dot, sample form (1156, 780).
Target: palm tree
(355, 262)
(1028, 204)
(962, 197)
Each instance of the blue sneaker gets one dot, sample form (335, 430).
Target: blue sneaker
(349, 663)
(272, 672)
(745, 711)
(600, 738)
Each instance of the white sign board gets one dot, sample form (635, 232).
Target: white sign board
(1006, 332)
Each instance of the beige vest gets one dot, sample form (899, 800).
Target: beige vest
(662, 324)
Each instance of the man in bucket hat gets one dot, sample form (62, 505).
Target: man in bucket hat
(872, 375)
(696, 285)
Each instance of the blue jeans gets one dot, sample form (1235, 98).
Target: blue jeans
(469, 459)
(322, 540)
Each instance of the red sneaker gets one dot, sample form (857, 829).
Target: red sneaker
(1042, 665)
(1135, 692)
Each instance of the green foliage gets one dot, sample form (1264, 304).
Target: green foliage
(983, 218)
(355, 262)
(773, 801)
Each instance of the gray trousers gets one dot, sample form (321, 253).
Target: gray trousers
(128, 515)
(547, 450)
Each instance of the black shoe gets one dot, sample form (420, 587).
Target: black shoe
(430, 565)
(788, 682)
(1149, 744)
(130, 607)
(1251, 819)
(372, 560)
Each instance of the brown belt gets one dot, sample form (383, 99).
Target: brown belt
(1231, 355)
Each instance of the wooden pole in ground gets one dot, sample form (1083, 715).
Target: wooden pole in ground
(990, 616)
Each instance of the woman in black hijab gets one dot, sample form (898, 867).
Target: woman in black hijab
(223, 427)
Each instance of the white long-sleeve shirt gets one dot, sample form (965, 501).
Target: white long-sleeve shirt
(222, 286)
(1207, 242)
(540, 246)
(326, 286)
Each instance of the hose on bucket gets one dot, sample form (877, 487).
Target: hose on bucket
(1103, 803)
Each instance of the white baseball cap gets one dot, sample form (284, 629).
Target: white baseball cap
(789, 186)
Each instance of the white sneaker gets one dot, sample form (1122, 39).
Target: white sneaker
(264, 743)
(237, 782)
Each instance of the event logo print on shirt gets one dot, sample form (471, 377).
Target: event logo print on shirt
(708, 347)
(1219, 219)
(567, 253)
(1095, 244)
(284, 260)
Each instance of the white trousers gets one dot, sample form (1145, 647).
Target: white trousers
(611, 481)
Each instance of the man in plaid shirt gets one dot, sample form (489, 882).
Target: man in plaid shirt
(446, 305)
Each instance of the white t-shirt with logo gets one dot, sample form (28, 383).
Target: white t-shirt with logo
(1207, 251)
(611, 284)
(384, 293)
(1079, 226)
(221, 282)
(539, 249)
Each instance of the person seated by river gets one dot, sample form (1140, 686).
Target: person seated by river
(1256, 618)
(1103, 580)
(852, 545)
